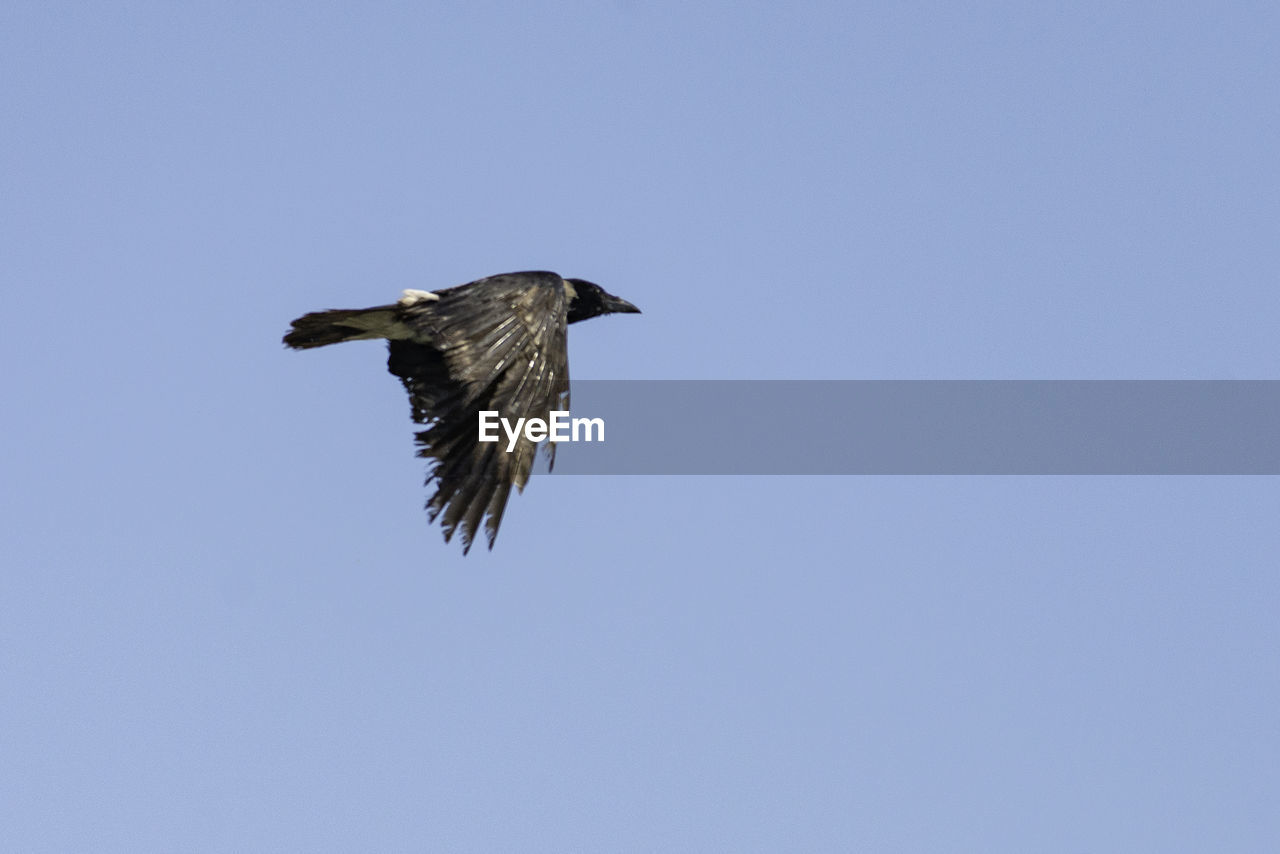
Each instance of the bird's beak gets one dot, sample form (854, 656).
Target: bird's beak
(617, 305)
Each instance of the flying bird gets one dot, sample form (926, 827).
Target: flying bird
(498, 343)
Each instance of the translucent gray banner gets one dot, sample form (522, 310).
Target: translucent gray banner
(927, 427)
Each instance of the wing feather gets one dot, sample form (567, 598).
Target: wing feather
(494, 344)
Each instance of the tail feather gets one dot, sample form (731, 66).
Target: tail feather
(321, 328)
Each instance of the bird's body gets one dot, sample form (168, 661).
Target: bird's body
(498, 343)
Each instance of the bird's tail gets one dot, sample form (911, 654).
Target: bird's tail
(321, 328)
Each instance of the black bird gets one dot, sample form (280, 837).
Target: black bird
(498, 343)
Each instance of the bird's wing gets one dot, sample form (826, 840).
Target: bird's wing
(504, 347)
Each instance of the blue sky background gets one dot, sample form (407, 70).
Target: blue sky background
(226, 626)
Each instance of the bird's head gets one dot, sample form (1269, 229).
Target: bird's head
(587, 300)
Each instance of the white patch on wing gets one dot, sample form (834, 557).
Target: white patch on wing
(411, 296)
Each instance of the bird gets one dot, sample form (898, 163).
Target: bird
(497, 343)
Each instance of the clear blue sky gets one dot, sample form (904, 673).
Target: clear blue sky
(226, 626)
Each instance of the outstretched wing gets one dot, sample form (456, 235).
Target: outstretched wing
(494, 344)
